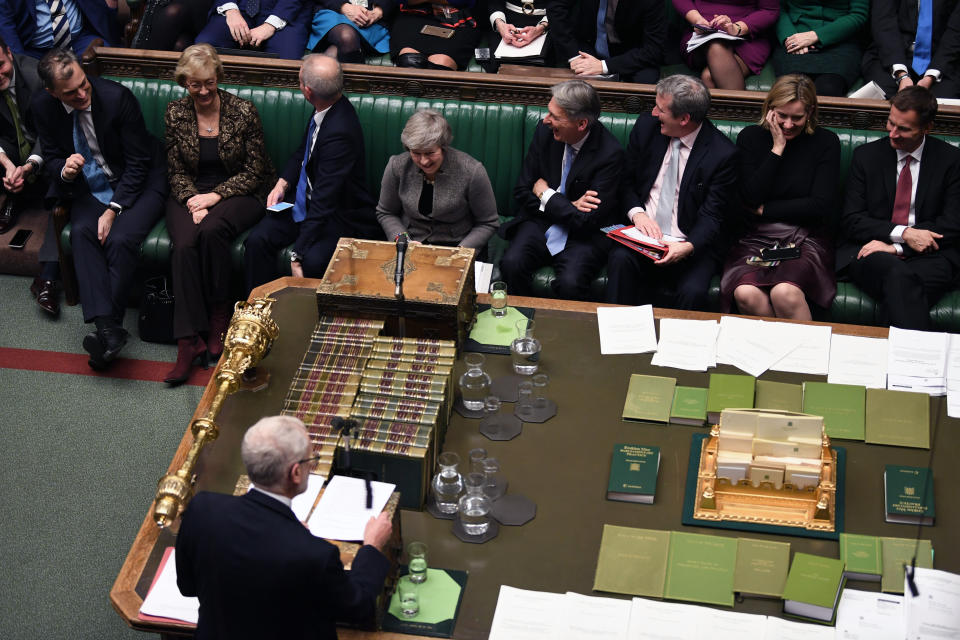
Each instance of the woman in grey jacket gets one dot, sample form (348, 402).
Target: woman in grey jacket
(435, 193)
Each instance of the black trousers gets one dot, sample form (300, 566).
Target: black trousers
(575, 266)
(201, 258)
(105, 270)
(905, 288)
(634, 279)
(872, 70)
(271, 235)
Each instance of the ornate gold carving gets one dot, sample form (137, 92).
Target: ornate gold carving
(443, 261)
(389, 268)
(359, 254)
(242, 486)
(348, 280)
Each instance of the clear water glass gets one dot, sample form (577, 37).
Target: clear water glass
(409, 597)
(498, 299)
(525, 349)
(417, 562)
(491, 414)
(525, 398)
(541, 384)
(494, 483)
(475, 382)
(448, 483)
(474, 507)
(477, 457)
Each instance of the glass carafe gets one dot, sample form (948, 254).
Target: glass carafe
(474, 508)
(448, 483)
(474, 383)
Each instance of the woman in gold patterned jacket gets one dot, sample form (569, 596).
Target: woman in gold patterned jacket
(220, 175)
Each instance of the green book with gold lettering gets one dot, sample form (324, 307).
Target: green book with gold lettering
(841, 406)
(861, 556)
(632, 561)
(782, 396)
(899, 418)
(762, 567)
(813, 587)
(908, 493)
(897, 553)
(633, 473)
(649, 398)
(689, 406)
(700, 568)
(729, 391)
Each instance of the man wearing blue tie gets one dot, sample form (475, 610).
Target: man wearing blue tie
(915, 42)
(99, 159)
(34, 27)
(325, 180)
(566, 191)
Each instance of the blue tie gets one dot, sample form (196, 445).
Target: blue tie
(300, 203)
(603, 50)
(96, 178)
(924, 41)
(557, 234)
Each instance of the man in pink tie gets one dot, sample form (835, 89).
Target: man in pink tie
(901, 219)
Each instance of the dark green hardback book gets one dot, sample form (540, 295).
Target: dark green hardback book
(689, 406)
(779, 395)
(842, 407)
(728, 391)
(861, 557)
(898, 553)
(762, 567)
(899, 418)
(908, 494)
(632, 561)
(813, 587)
(649, 398)
(633, 473)
(700, 568)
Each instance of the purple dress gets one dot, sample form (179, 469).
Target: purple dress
(760, 16)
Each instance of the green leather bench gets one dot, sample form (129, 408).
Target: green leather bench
(497, 134)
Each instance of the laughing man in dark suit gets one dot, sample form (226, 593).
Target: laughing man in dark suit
(901, 219)
(567, 190)
(328, 186)
(257, 571)
(678, 148)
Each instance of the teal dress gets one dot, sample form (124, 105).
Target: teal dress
(837, 24)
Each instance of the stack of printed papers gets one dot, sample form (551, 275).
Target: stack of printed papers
(917, 361)
(687, 344)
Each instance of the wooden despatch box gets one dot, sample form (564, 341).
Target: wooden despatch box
(439, 296)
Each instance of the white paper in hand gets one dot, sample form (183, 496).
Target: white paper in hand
(341, 513)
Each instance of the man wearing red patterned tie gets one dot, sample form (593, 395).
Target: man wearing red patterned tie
(901, 219)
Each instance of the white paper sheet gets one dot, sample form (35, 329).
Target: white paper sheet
(687, 344)
(482, 271)
(507, 51)
(654, 620)
(527, 615)
(780, 629)
(164, 598)
(699, 39)
(626, 329)
(812, 355)
(595, 618)
(866, 615)
(304, 502)
(341, 513)
(751, 345)
(917, 353)
(729, 625)
(935, 613)
(858, 360)
(953, 376)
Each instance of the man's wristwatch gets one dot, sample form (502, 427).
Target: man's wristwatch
(295, 257)
(116, 208)
(900, 75)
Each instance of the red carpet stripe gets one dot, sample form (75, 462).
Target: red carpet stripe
(76, 363)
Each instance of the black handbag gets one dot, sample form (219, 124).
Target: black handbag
(155, 322)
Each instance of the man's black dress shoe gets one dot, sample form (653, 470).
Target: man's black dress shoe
(104, 346)
(94, 346)
(8, 217)
(46, 293)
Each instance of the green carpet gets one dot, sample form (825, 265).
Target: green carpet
(79, 464)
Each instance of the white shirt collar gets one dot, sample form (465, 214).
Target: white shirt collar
(579, 145)
(71, 109)
(915, 154)
(276, 496)
(691, 137)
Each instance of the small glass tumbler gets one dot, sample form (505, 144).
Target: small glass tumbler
(477, 457)
(541, 384)
(525, 349)
(417, 562)
(525, 398)
(491, 416)
(498, 299)
(408, 593)
(494, 484)
(474, 508)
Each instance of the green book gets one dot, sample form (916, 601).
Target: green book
(813, 587)
(689, 406)
(633, 473)
(728, 391)
(840, 405)
(762, 567)
(700, 568)
(900, 418)
(861, 557)
(632, 561)
(779, 395)
(897, 553)
(908, 493)
(649, 398)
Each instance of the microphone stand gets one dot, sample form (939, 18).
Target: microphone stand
(346, 428)
(402, 243)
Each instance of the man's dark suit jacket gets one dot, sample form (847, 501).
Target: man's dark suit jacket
(894, 27)
(259, 573)
(641, 26)
(337, 170)
(18, 21)
(134, 156)
(871, 188)
(26, 84)
(596, 167)
(708, 186)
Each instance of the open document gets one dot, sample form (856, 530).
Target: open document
(866, 615)
(593, 617)
(700, 39)
(935, 613)
(164, 599)
(527, 615)
(917, 361)
(687, 344)
(858, 360)
(753, 346)
(341, 513)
